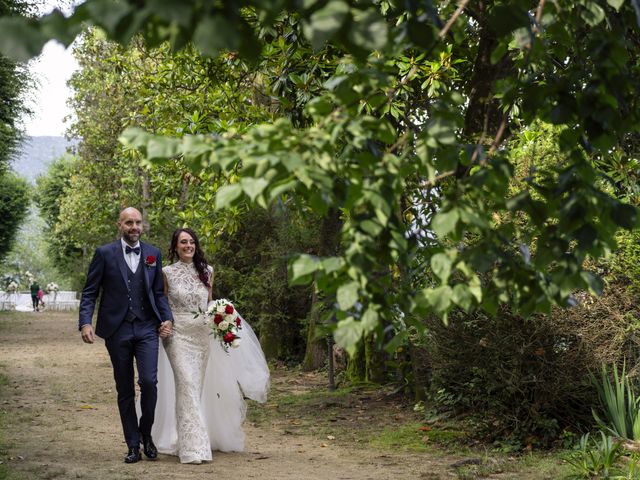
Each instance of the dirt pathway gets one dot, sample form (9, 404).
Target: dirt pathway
(58, 406)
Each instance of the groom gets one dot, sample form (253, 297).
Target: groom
(133, 311)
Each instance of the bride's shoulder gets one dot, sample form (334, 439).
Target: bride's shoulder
(169, 268)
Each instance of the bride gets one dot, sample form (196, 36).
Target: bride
(201, 387)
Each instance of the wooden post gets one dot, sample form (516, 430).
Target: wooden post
(332, 378)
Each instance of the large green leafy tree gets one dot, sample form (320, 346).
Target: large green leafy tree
(14, 82)
(176, 94)
(421, 184)
(51, 191)
(14, 202)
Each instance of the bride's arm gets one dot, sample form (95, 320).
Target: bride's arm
(166, 326)
(166, 284)
(210, 296)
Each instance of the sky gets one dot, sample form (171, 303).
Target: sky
(51, 70)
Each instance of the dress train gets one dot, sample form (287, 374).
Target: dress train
(229, 378)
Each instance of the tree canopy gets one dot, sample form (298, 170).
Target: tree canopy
(402, 130)
(14, 82)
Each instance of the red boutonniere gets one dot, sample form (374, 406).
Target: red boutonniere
(150, 261)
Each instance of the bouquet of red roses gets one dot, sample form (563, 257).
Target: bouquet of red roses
(225, 322)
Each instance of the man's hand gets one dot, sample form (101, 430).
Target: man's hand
(87, 334)
(166, 328)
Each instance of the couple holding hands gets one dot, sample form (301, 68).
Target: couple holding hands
(192, 390)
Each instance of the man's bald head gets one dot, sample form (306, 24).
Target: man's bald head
(130, 225)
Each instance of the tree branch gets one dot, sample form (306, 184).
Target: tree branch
(636, 6)
(453, 18)
(538, 18)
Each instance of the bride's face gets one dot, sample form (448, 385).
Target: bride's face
(186, 247)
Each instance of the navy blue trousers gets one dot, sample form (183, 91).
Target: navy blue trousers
(137, 340)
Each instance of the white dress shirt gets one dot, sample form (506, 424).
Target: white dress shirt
(131, 258)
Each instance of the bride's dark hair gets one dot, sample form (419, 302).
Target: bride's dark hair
(199, 261)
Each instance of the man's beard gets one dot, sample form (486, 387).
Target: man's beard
(128, 237)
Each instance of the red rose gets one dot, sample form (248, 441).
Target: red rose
(228, 309)
(150, 260)
(217, 318)
(238, 322)
(229, 337)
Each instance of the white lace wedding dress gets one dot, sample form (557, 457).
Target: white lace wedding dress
(201, 387)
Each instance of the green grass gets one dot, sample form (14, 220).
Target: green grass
(280, 404)
(531, 466)
(313, 397)
(412, 437)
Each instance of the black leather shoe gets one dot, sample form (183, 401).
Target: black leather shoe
(133, 456)
(150, 449)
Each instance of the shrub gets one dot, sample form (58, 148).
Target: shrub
(526, 380)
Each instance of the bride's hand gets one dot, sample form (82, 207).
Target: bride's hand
(165, 329)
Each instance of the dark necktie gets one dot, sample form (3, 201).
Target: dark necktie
(135, 250)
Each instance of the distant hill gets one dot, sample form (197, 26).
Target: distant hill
(36, 153)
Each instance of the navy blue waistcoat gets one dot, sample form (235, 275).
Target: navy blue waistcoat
(138, 301)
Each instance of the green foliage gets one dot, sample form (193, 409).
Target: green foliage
(620, 404)
(14, 205)
(32, 253)
(361, 160)
(250, 268)
(596, 458)
(624, 265)
(14, 83)
(401, 130)
(51, 188)
(630, 471)
(524, 381)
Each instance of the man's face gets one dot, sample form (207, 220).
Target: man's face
(130, 225)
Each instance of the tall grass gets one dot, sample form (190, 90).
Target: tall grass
(597, 458)
(620, 404)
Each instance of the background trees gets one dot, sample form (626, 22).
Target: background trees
(14, 82)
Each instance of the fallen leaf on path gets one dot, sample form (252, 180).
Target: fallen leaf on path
(322, 445)
(331, 437)
(88, 407)
(425, 429)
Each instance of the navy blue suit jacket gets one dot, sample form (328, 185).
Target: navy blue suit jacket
(108, 272)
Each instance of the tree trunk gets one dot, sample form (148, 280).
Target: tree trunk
(270, 341)
(356, 366)
(484, 113)
(316, 351)
(316, 348)
(375, 359)
(420, 375)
